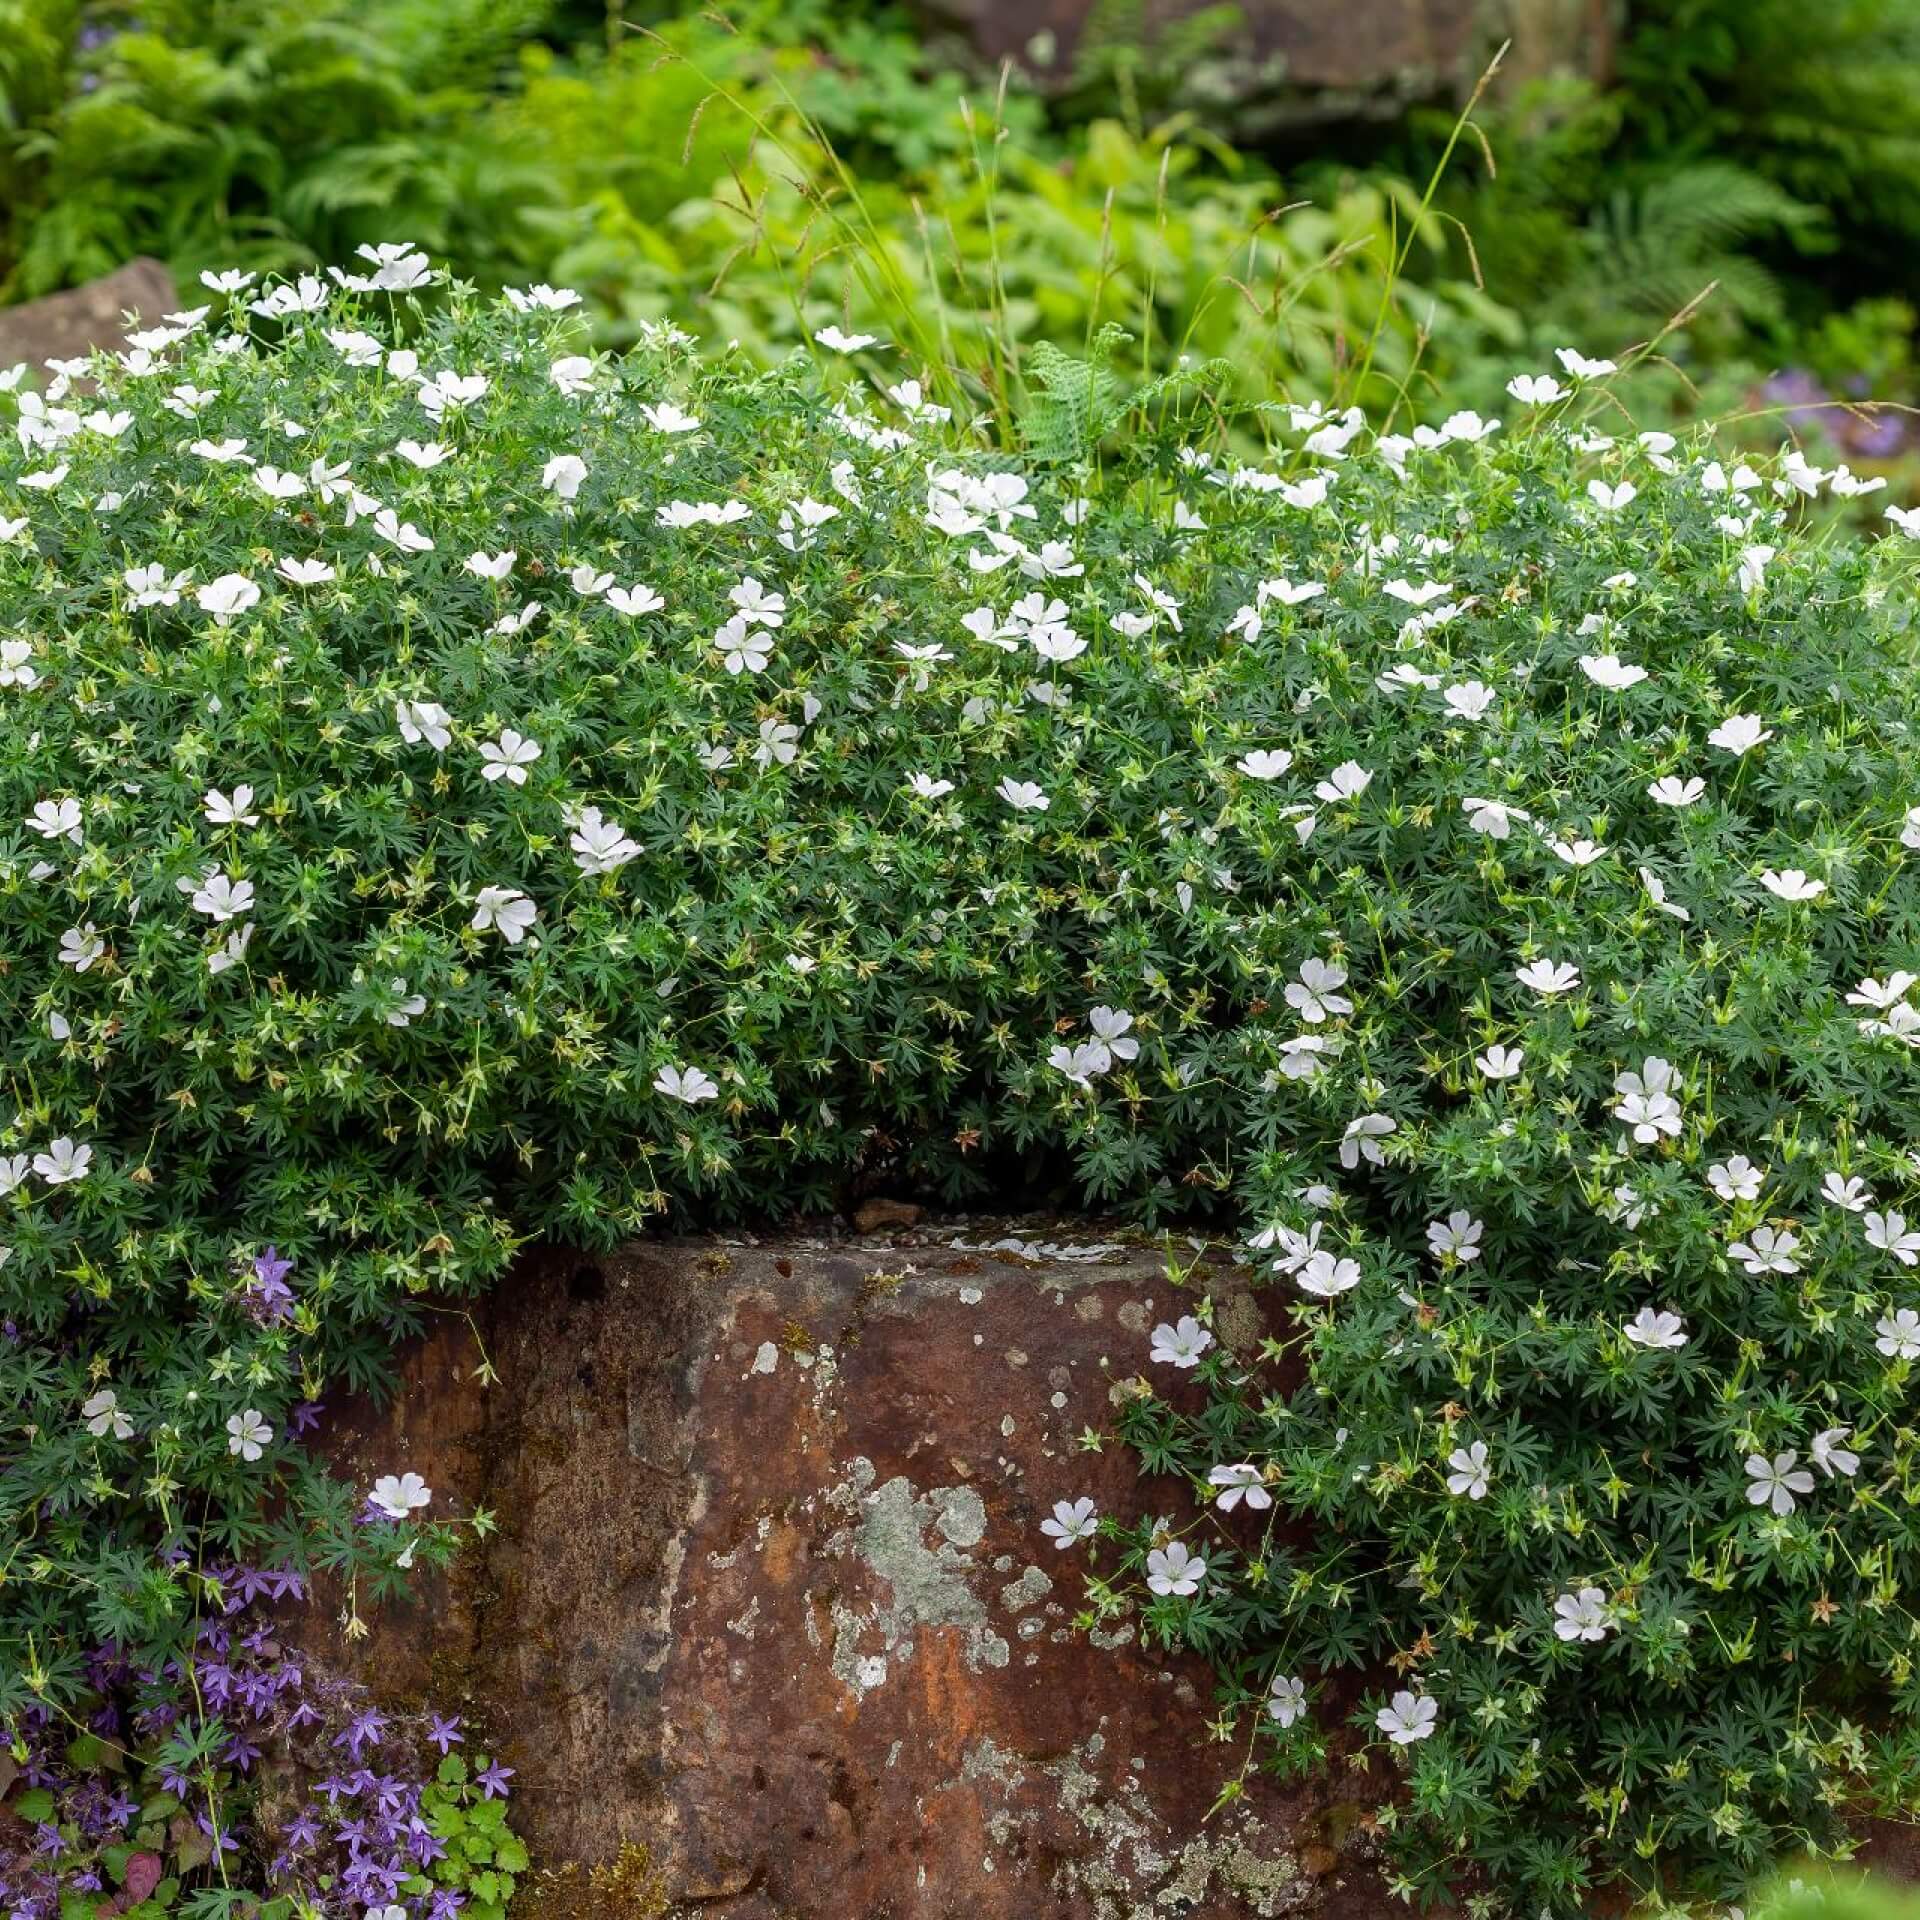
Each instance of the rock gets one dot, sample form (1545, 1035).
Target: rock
(769, 1609)
(1279, 64)
(872, 1216)
(65, 326)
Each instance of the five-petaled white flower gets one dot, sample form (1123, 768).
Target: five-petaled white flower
(1073, 1520)
(1326, 1276)
(509, 757)
(1316, 995)
(81, 946)
(63, 1161)
(1610, 671)
(1646, 1103)
(57, 820)
(103, 1415)
(233, 809)
(1898, 1334)
(1023, 796)
(398, 1494)
(1180, 1344)
(1361, 1141)
(1890, 1233)
(1671, 791)
(1287, 1698)
(1457, 1237)
(1582, 1615)
(1739, 733)
(1830, 1456)
(1767, 1250)
(1348, 781)
(1173, 1570)
(1792, 884)
(228, 597)
(248, 1434)
(1265, 763)
(1548, 977)
(688, 1085)
(1501, 1063)
(426, 720)
(1657, 1330)
(1773, 1483)
(506, 911)
(563, 474)
(1736, 1178)
(1409, 1717)
(219, 896)
(1241, 1481)
(1470, 1471)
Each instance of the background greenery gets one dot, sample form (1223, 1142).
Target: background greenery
(805, 162)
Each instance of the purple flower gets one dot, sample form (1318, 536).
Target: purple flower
(444, 1733)
(492, 1780)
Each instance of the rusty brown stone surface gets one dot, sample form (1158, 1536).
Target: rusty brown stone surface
(770, 1596)
(66, 326)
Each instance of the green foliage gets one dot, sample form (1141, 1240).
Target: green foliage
(572, 793)
(484, 1857)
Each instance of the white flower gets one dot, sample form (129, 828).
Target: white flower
(779, 744)
(1611, 499)
(563, 475)
(1609, 670)
(1889, 1232)
(410, 1005)
(1739, 733)
(1286, 1698)
(229, 809)
(1657, 893)
(57, 819)
(634, 600)
(1753, 566)
(1767, 1250)
(1671, 791)
(1658, 1330)
(743, 649)
(1411, 1717)
(277, 485)
(1582, 1615)
(1899, 1334)
(1501, 1063)
(1646, 1104)
(1456, 1237)
(664, 418)
(1362, 1137)
(1492, 817)
(1469, 700)
(1241, 1481)
(1831, 1457)
(836, 341)
(509, 757)
(16, 664)
(80, 947)
(491, 566)
(1792, 884)
(1024, 796)
(1577, 853)
(926, 787)
(600, 845)
(1548, 977)
(1315, 996)
(232, 594)
(506, 910)
(1773, 1483)
(101, 1411)
(305, 573)
(1110, 1026)
(1180, 1344)
(1577, 364)
(1326, 1277)
(424, 720)
(1348, 781)
(1073, 1520)
(1536, 389)
(247, 1434)
(218, 896)
(1173, 1570)
(689, 1085)
(1850, 1192)
(1470, 1471)
(1265, 764)
(397, 1495)
(1907, 519)
(1736, 1179)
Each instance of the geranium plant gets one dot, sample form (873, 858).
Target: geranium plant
(456, 788)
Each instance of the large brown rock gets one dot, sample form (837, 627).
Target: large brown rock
(770, 1599)
(67, 326)
(1279, 63)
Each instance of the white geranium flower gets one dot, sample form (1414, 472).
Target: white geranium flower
(1899, 1334)
(1315, 996)
(1792, 884)
(1072, 1521)
(1325, 1276)
(509, 757)
(1671, 791)
(1469, 700)
(1501, 1063)
(1024, 796)
(399, 1494)
(1536, 389)
(220, 897)
(1610, 671)
(63, 1162)
(1241, 1481)
(1457, 1237)
(1611, 499)
(1848, 1191)
(1831, 1457)
(1646, 1103)
(1172, 1570)
(1492, 817)
(1577, 853)
(1659, 1331)
(248, 1434)
(491, 566)
(1773, 1483)
(563, 474)
(1548, 977)
(1657, 893)
(1577, 364)
(103, 1416)
(1739, 733)
(743, 649)
(1182, 1343)
(688, 1085)
(1410, 1717)
(1890, 1233)
(81, 947)
(228, 597)
(233, 809)
(836, 341)
(1470, 1471)
(600, 845)
(1361, 1141)
(426, 720)
(1582, 1615)
(504, 910)
(1286, 1698)
(1736, 1179)
(57, 820)
(634, 600)
(1348, 781)
(1767, 1250)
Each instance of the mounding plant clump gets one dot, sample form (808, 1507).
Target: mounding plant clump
(460, 789)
